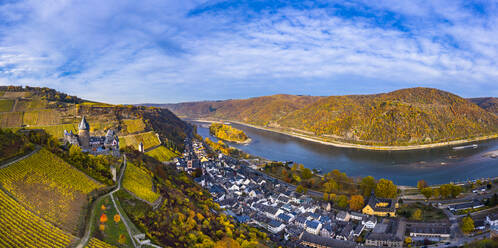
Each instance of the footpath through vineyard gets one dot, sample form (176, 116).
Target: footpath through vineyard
(88, 229)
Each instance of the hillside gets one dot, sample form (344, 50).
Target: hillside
(54, 195)
(404, 117)
(44, 108)
(488, 103)
(263, 110)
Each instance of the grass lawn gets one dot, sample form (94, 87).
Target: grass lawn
(162, 154)
(133, 126)
(6, 105)
(112, 230)
(428, 212)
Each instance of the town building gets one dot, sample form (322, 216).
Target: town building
(380, 207)
(430, 231)
(310, 240)
(390, 233)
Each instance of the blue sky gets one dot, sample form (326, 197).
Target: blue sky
(170, 51)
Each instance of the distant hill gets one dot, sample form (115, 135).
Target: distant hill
(404, 117)
(488, 103)
(263, 110)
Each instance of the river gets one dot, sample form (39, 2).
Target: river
(436, 166)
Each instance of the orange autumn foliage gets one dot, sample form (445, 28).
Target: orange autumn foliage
(103, 218)
(117, 218)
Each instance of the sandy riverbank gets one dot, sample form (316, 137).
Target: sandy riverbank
(358, 146)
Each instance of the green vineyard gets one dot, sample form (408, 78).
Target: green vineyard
(139, 182)
(149, 140)
(162, 154)
(133, 126)
(97, 243)
(21, 228)
(49, 186)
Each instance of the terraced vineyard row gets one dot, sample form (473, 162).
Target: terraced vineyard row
(21, 228)
(50, 187)
(139, 182)
(97, 243)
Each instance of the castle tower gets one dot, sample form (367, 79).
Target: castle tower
(84, 134)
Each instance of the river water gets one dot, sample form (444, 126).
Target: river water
(436, 166)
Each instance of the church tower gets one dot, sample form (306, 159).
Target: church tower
(84, 134)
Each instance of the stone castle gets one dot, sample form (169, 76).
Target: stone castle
(108, 144)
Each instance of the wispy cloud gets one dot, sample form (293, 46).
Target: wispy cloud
(167, 51)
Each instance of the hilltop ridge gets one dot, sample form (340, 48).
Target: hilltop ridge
(405, 117)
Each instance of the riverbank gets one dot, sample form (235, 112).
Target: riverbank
(350, 145)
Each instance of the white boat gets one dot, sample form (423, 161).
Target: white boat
(465, 147)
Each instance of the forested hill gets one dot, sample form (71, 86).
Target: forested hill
(488, 103)
(404, 117)
(45, 108)
(258, 110)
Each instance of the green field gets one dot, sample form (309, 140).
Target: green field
(57, 130)
(111, 229)
(149, 140)
(134, 126)
(139, 182)
(6, 105)
(162, 154)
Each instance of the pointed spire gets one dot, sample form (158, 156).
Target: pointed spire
(84, 124)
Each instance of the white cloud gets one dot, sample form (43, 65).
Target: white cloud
(119, 51)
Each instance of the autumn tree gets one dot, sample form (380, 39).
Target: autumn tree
(341, 201)
(103, 218)
(467, 224)
(417, 215)
(356, 202)
(367, 185)
(421, 184)
(427, 192)
(386, 189)
(306, 173)
(330, 186)
(300, 189)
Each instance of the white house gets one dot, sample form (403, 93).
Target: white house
(369, 222)
(275, 226)
(313, 227)
(492, 219)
